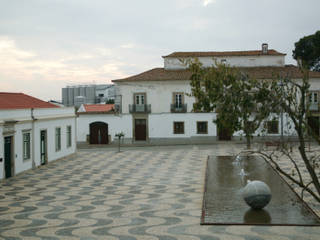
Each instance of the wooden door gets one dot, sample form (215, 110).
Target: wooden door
(223, 133)
(140, 129)
(8, 157)
(314, 124)
(98, 133)
(43, 147)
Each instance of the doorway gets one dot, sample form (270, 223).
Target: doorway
(223, 133)
(8, 164)
(314, 125)
(43, 147)
(140, 129)
(99, 133)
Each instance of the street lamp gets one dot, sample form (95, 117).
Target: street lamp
(281, 113)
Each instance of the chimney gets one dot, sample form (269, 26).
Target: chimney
(264, 48)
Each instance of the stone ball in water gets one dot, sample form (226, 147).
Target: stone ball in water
(256, 194)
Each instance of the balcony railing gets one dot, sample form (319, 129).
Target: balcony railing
(140, 108)
(182, 108)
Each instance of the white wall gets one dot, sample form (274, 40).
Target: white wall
(116, 124)
(159, 94)
(45, 119)
(20, 164)
(288, 128)
(161, 125)
(237, 61)
(50, 126)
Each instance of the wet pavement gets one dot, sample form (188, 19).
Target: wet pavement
(139, 193)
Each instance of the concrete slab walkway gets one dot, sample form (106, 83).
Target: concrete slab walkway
(139, 193)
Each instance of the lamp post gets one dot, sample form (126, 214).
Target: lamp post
(119, 136)
(281, 113)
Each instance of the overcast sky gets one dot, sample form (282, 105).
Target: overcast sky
(48, 44)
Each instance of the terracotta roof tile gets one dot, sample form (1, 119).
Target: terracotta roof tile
(94, 108)
(271, 52)
(22, 101)
(160, 74)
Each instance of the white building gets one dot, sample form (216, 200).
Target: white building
(33, 133)
(155, 107)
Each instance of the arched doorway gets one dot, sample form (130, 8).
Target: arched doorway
(98, 133)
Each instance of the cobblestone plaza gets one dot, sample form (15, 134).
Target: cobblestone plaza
(139, 193)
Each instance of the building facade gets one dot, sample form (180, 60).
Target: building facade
(33, 133)
(156, 107)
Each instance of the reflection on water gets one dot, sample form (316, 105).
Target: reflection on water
(257, 217)
(223, 202)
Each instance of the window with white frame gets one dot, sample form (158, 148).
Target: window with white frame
(26, 146)
(178, 100)
(139, 99)
(69, 136)
(58, 139)
(313, 97)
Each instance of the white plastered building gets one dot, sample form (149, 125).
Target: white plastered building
(33, 133)
(155, 106)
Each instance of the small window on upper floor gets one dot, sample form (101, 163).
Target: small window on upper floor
(313, 97)
(101, 95)
(139, 99)
(178, 99)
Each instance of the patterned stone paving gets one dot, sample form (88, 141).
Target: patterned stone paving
(140, 193)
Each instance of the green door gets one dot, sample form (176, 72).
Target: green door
(43, 147)
(7, 156)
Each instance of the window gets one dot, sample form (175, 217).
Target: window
(26, 146)
(69, 140)
(313, 97)
(178, 99)
(139, 98)
(58, 139)
(273, 127)
(101, 95)
(223, 61)
(202, 127)
(178, 127)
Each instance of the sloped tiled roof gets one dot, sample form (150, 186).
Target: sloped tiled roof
(270, 52)
(22, 101)
(161, 74)
(158, 74)
(98, 108)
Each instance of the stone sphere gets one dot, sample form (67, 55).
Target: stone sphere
(256, 194)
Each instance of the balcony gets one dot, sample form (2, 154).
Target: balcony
(140, 108)
(182, 108)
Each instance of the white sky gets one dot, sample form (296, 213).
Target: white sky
(48, 44)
